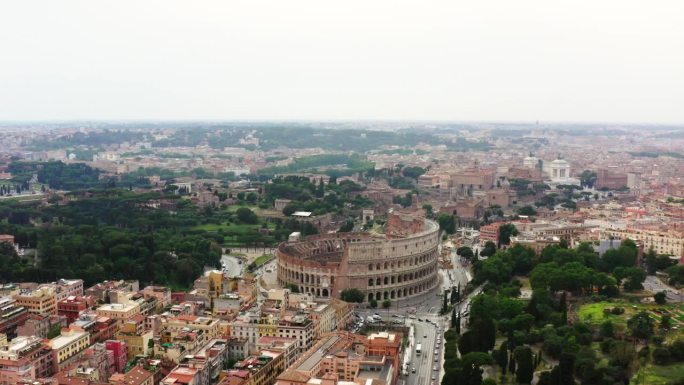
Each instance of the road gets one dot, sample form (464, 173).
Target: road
(232, 266)
(655, 285)
(425, 363)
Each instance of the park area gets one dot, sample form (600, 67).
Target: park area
(597, 313)
(650, 373)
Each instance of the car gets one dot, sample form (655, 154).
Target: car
(425, 336)
(434, 377)
(397, 321)
(412, 316)
(396, 315)
(435, 368)
(413, 370)
(376, 314)
(436, 359)
(420, 320)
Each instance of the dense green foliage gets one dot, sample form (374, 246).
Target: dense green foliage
(352, 163)
(111, 235)
(58, 175)
(317, 198)
(539, 325)
(352, 295)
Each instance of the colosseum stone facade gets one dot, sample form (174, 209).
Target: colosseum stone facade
(400, 264)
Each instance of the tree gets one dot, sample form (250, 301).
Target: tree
(455, 294)
(661, 356)
(641, 325)
(525, 371)
(485, 330)
(665, 322)
(465, 252)
(635, 276)
(566, 365)
(246, 215)
(289, 209)
(446, 223)
(373, 303)
(295, 289)
(677, 350)
(347, 226)
(252, 197)
(607, 329)
(505, 233)
(445, 302)
(386, 304)
(500, 355)
(352, 295)
(660, 298)
(527, 210)
(651, 260)
(413, 172)
(468, 342)
(489, 249)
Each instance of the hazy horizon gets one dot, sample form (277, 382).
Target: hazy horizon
(565, 62)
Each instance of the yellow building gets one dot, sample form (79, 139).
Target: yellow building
(662, 242)
(41, 301)
(119, 311)
(215, 279)
(68, 344)
(210, 326)
(137, 339)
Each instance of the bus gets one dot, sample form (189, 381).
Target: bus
(418, 349)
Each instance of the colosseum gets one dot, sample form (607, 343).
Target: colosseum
(401, 263)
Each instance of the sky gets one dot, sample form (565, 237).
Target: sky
(490, 60)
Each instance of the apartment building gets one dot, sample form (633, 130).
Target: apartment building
(25, 358)
(69, 344)
(11, 316)
(136, 337)
(343, 357)
(41, 301)
(119, 311)
(663, 242)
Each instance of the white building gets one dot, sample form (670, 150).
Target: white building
(558, 170)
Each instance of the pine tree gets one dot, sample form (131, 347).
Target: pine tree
(525, 371)
(501, 358)
(511, 363)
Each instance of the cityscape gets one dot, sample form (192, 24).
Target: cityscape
(310, 192)
(285, 254)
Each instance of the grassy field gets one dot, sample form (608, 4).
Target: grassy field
(658, 375)
(592, 313)
(262, 259)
